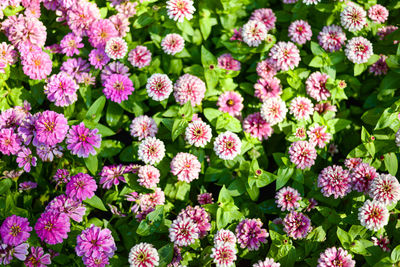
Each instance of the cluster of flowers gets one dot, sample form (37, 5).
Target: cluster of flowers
(21, 131)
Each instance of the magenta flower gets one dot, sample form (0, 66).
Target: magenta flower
(227, 62)
(37, 65)
(335, 257)
(288, 198)
(82, 141)
(100, 32)
(75, 67)
(73, 209)
(37, 258)
(118, 88)
(140, 57)
(266, 16)
(94, 241)
(300, 32)
(61, 176)
(51, 128)
(333, 180)
(10, 143)
(114, 67)
(254, 32)
(71, 44)
(200, 217)
(81, 187)
(111, 175)
(250, 235)
(227, 145)
(99, 261)
(28, 185)
(297, 225)
(267, 88)
(98, 58)
(25, 159)
(380, 67)
(52, 227)
(362, 176)
(61, 89)
(205, 198)
(230, 102)
(143, 255)
(303, 154)
(179, 10)
(257, 127)
(183, 231)
(15, 230)
(172, 43)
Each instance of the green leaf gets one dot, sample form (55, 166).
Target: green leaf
(215, 174)
(391, 163)
(178, 128)
(5, 185)
(151, 223)
(360, 247)
(211, 114)
(359, 68)
(186, 111)
(91, 163)
(113, 114)
(104, 130)
(224, 196)
(395, 256)
(142, 21)
(344, 238)
(166, 253)
(316, 62)
(388, 117)
(206, 22)
(183, 190)
(95, 110)
(95, 202)
(316, 49)
(284, 174)
(207, 58)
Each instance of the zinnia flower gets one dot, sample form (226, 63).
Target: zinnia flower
(362, 177)
(183, 231)
(385, 189)
(140, 57)
(335, 257)
(303, 154)
(288, 198)
(286, 55)
(151, 150)
(331, 38)
(230, 102)
(257, 127)
(300, 32)
(116, 48)
(301, 108)
(250, 235)
(37, 258)
(223, 255)
(143, 255)
(179, 10)
(358, 50)
(172, 43)
(51, 128)
(227, 62)
(227, 145)
(267, 88)
(378, 13)
(297, 225)
(198, 133)
(316, 86)
(333, 180)
(15, 230)
(254, 32)
(149, 176)
(266, 16)
(61, 89)
(268, 262)
(94, 241)
(52, 227)
(353, 17)
(159, 87)
(186, 167)
(118, 88)
(143, 126)
(81, 186)
(273, 110)
(82, 141)
(373, 215)
(189, 88)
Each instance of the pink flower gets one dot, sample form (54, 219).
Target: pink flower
(28, 185)
(318, 136)
(273, 110)
(300, 133)
(267, 88)
(302, 108)
(386, 30)
(37, 258)
(257, 127)
(37, 65)
(151, 150)
(189, 88)
(73, 209)
(303, 154)
(8, 54)
(149, 176)
(10, 143)
(172, 43)
(98, 58)
(198, 133)
(111, 175)
(267, 68)
(237, 35)
(227, 62)
(311, 2)
(316, 86)
(75, 67)
(362, 177)
(116, 48)
(140, 57)
(51, 128)
(353, 17)
(97, 261)
(378, 13)
(121, 24)
(81, 186)
(385, 189)
(183, 231)
(358, 50)
(179, 10)
(186, 167)
(373, 215)
(82, 141)
(71, 44)
(230, 102)
(205, 198)
(118, 88)
(300, 32)
(143, 126)
(15, 230)
(268, 262)
(286, 55)
(250, 235)
(26, 30)
(254, 32)
(335, 257)
(52, 227)
(100, 32)
(224, 237)
(81, 17)
(159, 87)
(227, 145)
(223, 255)
(331, 38)
(61, 176)
(297, 225)
(333, 180)
(143, 255)
(200, 217)
(25, 159)
(324, 107)
(266, 16)
(61, 89)
(379, 67)
(94, 241)
(351, 163)
(382, 242)
(288, 198)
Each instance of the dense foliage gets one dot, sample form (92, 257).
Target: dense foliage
(214, 132)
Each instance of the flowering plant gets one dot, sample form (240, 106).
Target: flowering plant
(181, 133)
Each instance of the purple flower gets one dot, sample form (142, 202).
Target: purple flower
(52, 227)
(51, 128)
(200, 217)
(70, 44)
(7, 252)
(111, 175)
(94, 241)
(81, 187)
(61, 89)
(25, 159)
(15, 230)
(81, 141)
(73, 209)
(118, 88)
(37, 258)
(61, 177)
(98, 58)
(75, 67)
(250, 235)
(297, 225)
(27, 186)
